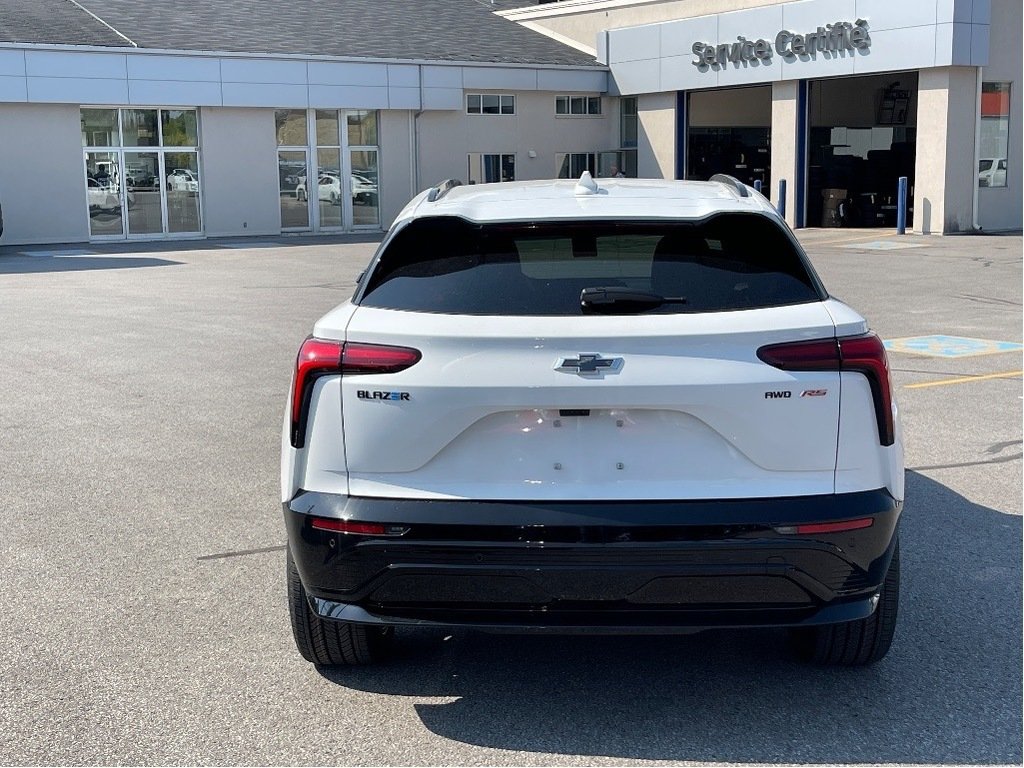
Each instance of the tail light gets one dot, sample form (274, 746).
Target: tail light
(318, 357)
(334, 525)
(861, 354)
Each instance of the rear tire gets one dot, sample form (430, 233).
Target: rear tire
(856, 643)
(331, 643)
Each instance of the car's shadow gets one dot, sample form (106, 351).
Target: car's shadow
(949, 691)
(25, 265)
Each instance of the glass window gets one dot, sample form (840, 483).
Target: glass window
(182, 169)
(365, 198)
(103, 192)
(142, 193)
(327, 134)
(489, 169)
(473, 103)
(508, 104)
(180, 127)
(138, 127)
(627, 122)
(577, 105)
(291, 127)
(491, 104)
(731, 261)
(291, 168)
(571, 165)
(995, 134)
(99, 128)
(561, 105)
(329, 186)
(594, 105)
(362, 128)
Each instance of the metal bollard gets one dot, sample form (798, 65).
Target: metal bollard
(757, 185)
(901, 207)
(780, 206)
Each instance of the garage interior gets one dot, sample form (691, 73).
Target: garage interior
(729, 131)
(861, 138)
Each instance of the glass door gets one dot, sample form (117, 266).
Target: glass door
(294, 188)
(103, 191)
(143, 200)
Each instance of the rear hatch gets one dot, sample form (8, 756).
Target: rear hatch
(522, 393)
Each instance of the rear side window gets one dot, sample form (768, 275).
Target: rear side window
(729, 261)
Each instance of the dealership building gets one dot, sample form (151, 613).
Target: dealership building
(122, 120)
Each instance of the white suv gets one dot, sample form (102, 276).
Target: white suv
(554, 406)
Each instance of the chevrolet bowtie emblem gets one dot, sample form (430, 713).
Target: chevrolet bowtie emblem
(590, 365)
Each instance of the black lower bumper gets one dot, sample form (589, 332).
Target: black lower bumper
(593, 566)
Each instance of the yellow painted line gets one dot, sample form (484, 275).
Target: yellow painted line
(964, 379)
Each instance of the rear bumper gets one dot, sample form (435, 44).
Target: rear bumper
(594, 566)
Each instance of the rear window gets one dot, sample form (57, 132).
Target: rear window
(453, 266)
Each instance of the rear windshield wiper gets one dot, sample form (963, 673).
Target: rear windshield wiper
(619, 300)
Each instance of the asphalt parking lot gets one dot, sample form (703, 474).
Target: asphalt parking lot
(143, 605)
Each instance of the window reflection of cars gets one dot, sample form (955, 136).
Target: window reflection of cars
(364, 190)
(329, 189)
(102, 195)
(992, 172)
(182, 180)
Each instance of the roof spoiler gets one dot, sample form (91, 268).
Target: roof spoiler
(731, 181)
(442, 189)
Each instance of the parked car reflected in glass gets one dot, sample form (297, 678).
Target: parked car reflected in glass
(182, 180)
(992, 172)
(364, 190)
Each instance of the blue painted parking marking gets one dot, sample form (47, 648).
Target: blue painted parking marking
(884, 245)
(939, 345)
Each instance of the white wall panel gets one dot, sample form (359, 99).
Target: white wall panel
(66, 64)
(824, 64)
(264, 95)
(348, 96)
(12, 63)
(13, 88)
(174, 94)
(678, 37)
(403, 98)
(747, 72)
(42, 185)
(948, 11)
(638, 76)
(634, 44)
(441, 77)
(499, 78)
(403, 76)
(569, 80)
(262, 71)
(756, 22)
(179, 68)
(77, 90)
(347, 73)
(443, 98)
(239, 172)
(895, 14)
(806, 16)
(679, 74)
(908, 48)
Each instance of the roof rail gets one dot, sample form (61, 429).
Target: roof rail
(732, 181)
(442, 189)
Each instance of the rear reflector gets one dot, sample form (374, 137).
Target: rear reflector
(861, 354)
(353, 526)
(846, 525)
(318, 357)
